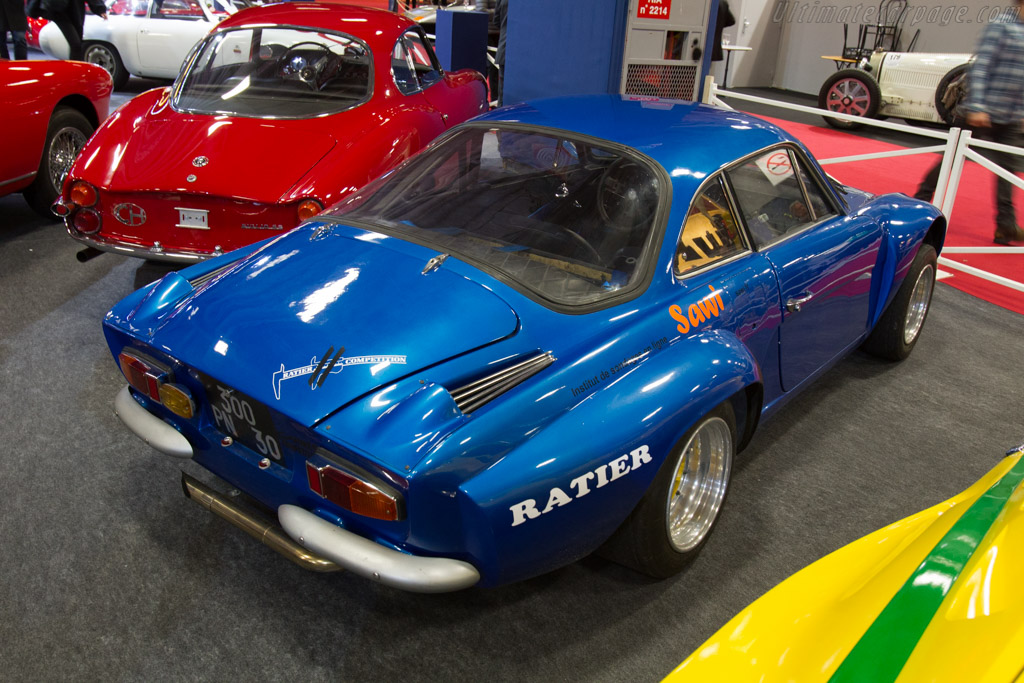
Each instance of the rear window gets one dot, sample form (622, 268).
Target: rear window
(560, 217)
(276, 73)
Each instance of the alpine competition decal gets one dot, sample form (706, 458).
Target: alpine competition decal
(318, 372)
(580, 486)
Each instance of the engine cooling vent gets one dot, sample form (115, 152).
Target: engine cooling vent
(671, 81)
(475, 394)
(203, 279)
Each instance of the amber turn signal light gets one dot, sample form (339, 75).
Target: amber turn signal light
(309, 208)
(177, 399)
(83, 194)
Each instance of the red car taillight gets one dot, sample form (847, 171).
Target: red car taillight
(309, 208)
(352, 493)
(87, 221)
(145, 377)
(83, 194)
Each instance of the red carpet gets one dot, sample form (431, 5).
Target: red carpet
(973, 221)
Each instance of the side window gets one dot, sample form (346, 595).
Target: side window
(178, 9)
(413, 64)
(769, 190)
(819, 203)
(710, 233)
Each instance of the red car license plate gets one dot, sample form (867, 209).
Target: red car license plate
(243, 418)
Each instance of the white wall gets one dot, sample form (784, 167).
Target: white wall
(811, 28)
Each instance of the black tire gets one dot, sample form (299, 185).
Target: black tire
(955, 77)
(107, 56)
(900, 326)
(66, 134)
(850, 91)
(645, 541)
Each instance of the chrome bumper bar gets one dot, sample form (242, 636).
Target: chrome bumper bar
(362, 556)
(149, 427)
(306, 539)
(150, 253)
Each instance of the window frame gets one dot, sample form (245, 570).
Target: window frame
(748, 244)
(798, 154)
(431, 54)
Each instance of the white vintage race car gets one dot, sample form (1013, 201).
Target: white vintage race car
(917, 86)
(148, 38)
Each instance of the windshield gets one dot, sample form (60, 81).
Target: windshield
(561, 217)
(276, 73)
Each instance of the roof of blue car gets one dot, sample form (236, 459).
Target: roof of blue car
(684, 137)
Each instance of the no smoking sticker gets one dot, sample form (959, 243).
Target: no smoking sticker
(776, 166)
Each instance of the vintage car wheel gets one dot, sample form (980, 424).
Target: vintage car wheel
(955, 78)
(65, 136)
(900, 326)
(106, 56)
(673, 520)
(850, 91)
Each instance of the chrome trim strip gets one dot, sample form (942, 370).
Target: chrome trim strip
(152, 254)
(373, 560)
(475, 394)
(18, 179)
(264, 531)
(150, 428)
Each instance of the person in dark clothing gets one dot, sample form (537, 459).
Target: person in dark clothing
(724, 20)
(994, 110)
(69, 16)
(12, 19)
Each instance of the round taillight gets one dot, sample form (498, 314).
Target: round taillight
(309, 208)
(83, 194)
(87, 221)
(60, 209)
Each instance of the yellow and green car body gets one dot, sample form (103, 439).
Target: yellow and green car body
(938, 596)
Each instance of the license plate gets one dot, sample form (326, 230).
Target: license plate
(193, 218)
(243, 418)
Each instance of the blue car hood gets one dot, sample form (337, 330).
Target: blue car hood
(306, 326)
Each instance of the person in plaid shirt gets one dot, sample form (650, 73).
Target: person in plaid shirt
(994, 110)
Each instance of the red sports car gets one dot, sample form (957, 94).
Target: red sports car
(279, 112)
(47, 112)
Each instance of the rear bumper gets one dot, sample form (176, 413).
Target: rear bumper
(154, 253)
(311, 542)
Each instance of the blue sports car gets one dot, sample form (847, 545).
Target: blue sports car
(547, 334)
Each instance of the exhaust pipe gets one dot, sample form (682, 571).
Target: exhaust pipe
(267, 533)
(88, 254)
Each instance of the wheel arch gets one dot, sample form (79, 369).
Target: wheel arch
(82, 105)
(609, 424)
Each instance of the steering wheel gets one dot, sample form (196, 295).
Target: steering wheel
(587, 246)
(626, 194)
(294, 64)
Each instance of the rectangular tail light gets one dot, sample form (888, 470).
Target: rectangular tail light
(373, 499)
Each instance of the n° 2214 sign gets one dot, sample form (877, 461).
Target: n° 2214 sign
(653, 9)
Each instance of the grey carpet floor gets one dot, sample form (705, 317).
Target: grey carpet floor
(108, 572)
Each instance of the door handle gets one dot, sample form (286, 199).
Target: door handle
(795, 305)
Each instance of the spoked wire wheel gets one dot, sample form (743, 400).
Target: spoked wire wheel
(66, 145)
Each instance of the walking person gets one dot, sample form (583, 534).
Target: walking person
(13, 21)
(69, 16)
(994, 110)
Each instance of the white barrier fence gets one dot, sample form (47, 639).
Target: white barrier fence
(956, 147)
